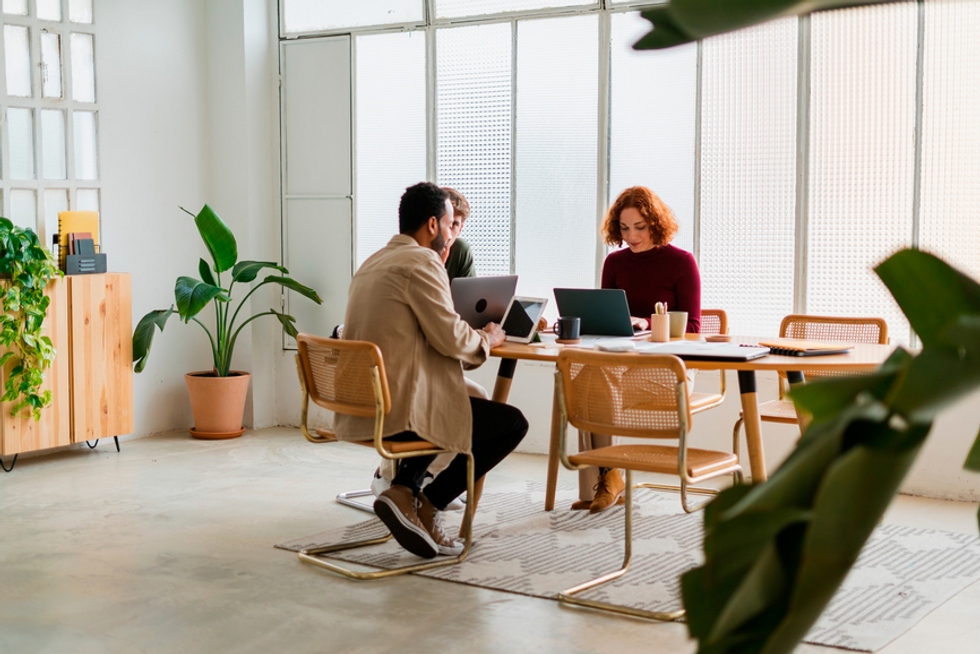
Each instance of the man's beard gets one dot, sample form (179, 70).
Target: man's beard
(438, 244)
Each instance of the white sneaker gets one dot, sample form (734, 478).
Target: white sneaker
(379, 484)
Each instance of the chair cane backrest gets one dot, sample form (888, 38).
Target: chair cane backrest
(340, 375)
(624, 394)
(834, 329)
(713, 321)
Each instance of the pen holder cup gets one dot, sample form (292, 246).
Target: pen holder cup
(660, 328)
(678, 323)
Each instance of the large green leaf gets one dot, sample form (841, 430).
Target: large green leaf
(931, 293)
(246, 271)
(683, 21)
(206, 276)
(192, 296)
(294, 285)
(217, 237)
(287, 323)
(143, 336)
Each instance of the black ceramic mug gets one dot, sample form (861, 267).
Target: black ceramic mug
(568, 328)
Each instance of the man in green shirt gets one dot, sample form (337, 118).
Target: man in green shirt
(458, 256)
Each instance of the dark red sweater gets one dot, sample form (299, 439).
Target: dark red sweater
(663, 274)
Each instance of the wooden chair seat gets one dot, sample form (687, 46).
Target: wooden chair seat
(703, 401)
(657, 458)
(392, 447)
(782, 411)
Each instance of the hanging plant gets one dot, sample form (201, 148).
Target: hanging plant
(27, 267)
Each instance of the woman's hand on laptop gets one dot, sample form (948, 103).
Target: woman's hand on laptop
(495, 334)
(639, 324)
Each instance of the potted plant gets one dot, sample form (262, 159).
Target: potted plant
(217, 395)
(26, 267)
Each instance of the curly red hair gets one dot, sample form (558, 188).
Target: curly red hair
(663, 224)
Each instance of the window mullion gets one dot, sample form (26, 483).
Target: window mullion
(602, 168)
(513, 146)
(802, 164)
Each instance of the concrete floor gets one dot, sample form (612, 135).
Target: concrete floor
(167, 547)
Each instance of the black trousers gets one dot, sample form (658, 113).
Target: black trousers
(497, 429)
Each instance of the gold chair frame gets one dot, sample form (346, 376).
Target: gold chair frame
(821, 328)
(626, 456)
(392, 450)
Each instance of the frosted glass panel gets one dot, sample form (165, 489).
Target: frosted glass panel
(390, 132)
(20, 132)
(49, 9)
(748, 175)
(50, 64)
(55, 201)
(15, 7)
(54, 162)
(23, 208)
(17, 48)
(313, 15)
(87, 199)
(86, 147)
(80, 11)
(862, 120)
(473, 100)
(459, 8)
(653, 97)
(83, 67)
(950, 195)
(557, 141)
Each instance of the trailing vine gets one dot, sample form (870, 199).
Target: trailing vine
(27, 267)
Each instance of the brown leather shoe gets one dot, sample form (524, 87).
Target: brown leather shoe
(582, 505)
(608, 491)
(396, 508)
(431, 519)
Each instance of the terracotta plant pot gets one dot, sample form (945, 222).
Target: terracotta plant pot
(218, 403)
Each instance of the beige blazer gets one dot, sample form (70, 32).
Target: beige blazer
(400, 300)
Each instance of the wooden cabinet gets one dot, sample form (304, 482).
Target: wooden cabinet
(90, 322)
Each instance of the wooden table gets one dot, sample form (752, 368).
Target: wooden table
(861, 359)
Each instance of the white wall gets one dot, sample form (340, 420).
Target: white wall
(189, 115)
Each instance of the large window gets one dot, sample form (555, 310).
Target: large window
(796, 154)
(50, 153)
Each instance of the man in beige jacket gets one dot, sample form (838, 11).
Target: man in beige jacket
(400, 300)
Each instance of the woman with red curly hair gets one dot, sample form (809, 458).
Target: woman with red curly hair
(650, 270)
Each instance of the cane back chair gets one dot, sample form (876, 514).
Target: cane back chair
(815, 328)
(638, 396)
(349, 377)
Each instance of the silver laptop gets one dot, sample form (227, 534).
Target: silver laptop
(701, 351)
(479, 300)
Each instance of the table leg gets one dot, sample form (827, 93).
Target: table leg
(505, 376)
(753, 426)
(795, 378)
(549, 498)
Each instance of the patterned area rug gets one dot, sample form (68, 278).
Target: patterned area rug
(902, 574)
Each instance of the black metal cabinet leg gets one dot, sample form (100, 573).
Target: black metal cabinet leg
(12, 464)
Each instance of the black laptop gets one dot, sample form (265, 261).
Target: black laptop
(603, 311)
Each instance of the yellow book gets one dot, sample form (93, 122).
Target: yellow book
(70, 222)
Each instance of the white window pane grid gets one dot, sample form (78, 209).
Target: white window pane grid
(862, 119)
(390, 132)
(50, 64)
(473, 153)
(463, 8)
(55, 201)
(15, 7)
(950, 191)
(748, 175)
(314, 15)
(20, 137)
(86, 150)
(653, 100)
(557, 143)
(87, 199)
(54, 158)
(80, 11)
(23, 208)
(48, 9)
(17, 50)
(82, 67)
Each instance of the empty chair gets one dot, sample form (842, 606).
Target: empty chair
(639, 396)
